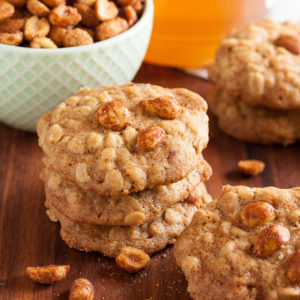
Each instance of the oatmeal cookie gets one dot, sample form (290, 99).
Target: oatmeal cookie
(150, 237)
(134, 209)
(122, 139)
(261, 64)
(246, 245)
(254, 124)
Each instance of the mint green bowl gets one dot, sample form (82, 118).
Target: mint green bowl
(34, 81)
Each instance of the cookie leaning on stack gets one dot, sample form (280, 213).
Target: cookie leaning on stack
(245, 245)
(257, 78)
(124, 166)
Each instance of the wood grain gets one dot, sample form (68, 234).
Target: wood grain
(28, 238)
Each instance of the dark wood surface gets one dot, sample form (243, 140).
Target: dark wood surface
(28, 238)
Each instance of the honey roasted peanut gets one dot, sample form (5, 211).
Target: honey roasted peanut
(165, 107)
(106, 10)
(42, 42)
(82, 289)
(111, 28)
(6, 10)
(48, 274)
(12, 25)
(64, 16)
(130, 15)
(132, 259)
(57, 35)
(257, 213)
(289, 42)
(35, 27)
(89, 18)
(251, 167)
(81, 22)
(113, 115)
(150, 139)
(38, 8)
(271, 239)
(54, 3)
(13, 39)
(293, 270)
(77, 37)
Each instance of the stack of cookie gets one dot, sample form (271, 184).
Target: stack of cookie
(257, 77)
(124, 166)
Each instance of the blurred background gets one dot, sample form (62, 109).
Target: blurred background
(187, 33)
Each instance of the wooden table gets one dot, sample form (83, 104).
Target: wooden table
(28, 238)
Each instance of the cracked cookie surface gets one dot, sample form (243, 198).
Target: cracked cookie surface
(109, 141)
(244, 245)
(261, 64)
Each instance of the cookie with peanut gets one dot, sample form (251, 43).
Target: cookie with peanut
(244, 245)
(125, 138)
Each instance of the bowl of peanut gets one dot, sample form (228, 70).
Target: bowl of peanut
(49, 49)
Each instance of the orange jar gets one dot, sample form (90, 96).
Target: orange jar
(187, 33)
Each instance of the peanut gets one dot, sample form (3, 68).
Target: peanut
(289, 42)
(293, 271)
(47, 274)
(82, 289)
(87, 2)
(165, 107)
(6, 10)
(57, 35)
(37, 8)
(271, 239)
(109, 29)
(89, 18)
(132, 259)
(113, 115)
(251, 167)
(130, 15)
(150, 139)
(257, 213)
(77, 37)
(125, 2)
(195, 198)
(64, 16)
(35, 27)
(13, 39)
(106, 10)
(54, 3)
(12, 25)
(17, 3)
(42, 42)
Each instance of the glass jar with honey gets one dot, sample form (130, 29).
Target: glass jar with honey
(186, 33)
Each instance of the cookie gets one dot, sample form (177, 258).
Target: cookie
(246, 245)
(122, 139)
(134, 209)
(254, 124)
(260, 63)
(151, 236)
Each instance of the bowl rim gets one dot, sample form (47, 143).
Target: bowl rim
(148, 11)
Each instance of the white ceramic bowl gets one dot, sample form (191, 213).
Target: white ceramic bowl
(34, 81)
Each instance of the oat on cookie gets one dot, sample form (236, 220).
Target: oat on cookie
(134, 209)
(254, 124)
(261, 64)
(122, 139)
(150, 237)
(245, 245)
